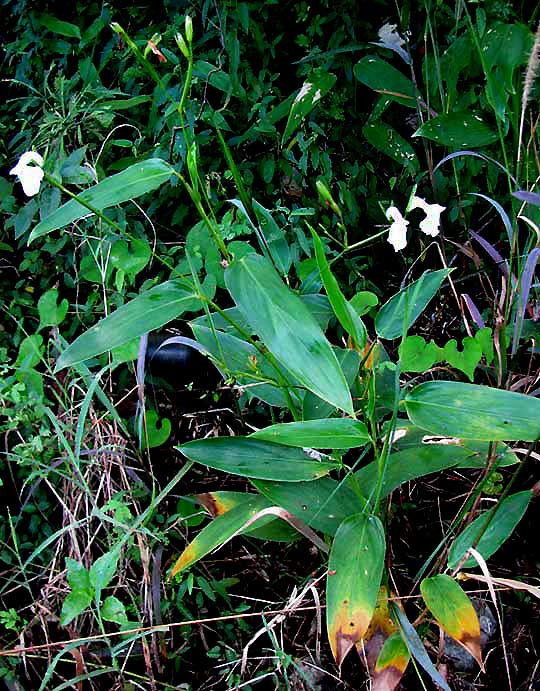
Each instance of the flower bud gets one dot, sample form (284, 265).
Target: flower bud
(182, 45)
(189, 29)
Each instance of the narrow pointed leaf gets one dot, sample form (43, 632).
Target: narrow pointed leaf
(453, 611)
(331, 433)
(412, 300)
(130, 183)
(354, 576)
(287, 328)
(148, 311)
(267, 528)
(347, 316)
(221, 529)
(500, 525)
(417, 649)
(471, 411)
(255, 459)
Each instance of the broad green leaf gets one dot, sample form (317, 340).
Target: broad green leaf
(507, 45)
(51, 313)
(156, 430)
(59, 27)
(323, 504)
(385, 80)
(453, 611)
(287, 328)
(221, 529)
(150, 310)
(103, 570)
(314, 408)
(415, 355)
(82, 592)
(500, 525)
(470, 411)
(457, 130)
(267, 527)
(130, 258)
(347, 316)
(467, 358)
(114, 610)
(255, 459)
(409, 302)
(130, 183)
(75, 603)
(389, 142)
(333, 433)
(313, 89)
(354, 576)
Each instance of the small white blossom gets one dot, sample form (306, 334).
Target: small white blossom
(30, 176)
(431, 223)
(304, 91)
(397, 235)
(390, 39)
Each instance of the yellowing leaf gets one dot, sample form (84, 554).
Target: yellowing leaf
(354, 576)
(453, 611)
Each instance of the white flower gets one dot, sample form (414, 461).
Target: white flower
(304, 91)
(397, 235)
(30, 176)
(390, 39)
(431, 223)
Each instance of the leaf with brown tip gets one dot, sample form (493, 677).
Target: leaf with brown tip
(386, 671)
(454, 612)
(354, 576)
(391, 664)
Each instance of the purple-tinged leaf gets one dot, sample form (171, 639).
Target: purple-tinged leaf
(523, 293)
(502, 213)
(529, 197)
(473, 309)
(497, 258)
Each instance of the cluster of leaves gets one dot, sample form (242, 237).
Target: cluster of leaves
(182, 163)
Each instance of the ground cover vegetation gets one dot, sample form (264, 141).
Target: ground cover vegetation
(268, 352)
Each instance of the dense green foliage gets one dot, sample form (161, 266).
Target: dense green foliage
(236, 171)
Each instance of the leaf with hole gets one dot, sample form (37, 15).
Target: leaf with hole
(389, 142)
(313, 89)
(386, 80)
